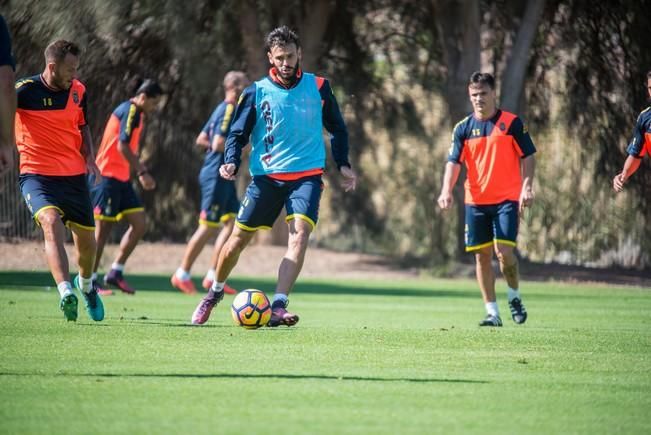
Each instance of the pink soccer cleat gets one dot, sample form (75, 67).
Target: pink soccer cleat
(202, 312)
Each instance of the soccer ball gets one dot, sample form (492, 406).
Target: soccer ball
(251, 309)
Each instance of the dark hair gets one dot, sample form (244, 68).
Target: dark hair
(149, 87)
(281, 36)
(234, 78)
(57, 50)
(478, 78)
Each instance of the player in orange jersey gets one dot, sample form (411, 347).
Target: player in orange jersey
(639, 146)
(114, 198)
(498, 154)
(56, 152)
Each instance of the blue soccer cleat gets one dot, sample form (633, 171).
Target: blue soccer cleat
(94, 305)
(518, 312)
(68, 305)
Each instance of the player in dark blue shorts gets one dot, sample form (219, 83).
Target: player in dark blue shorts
(115, 198)
(56, 152)
(219, 203)
(283, 115)
(498, 153)
(7, 100)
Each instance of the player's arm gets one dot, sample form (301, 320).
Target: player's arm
(632, 162)
(450, 177)
(202, 140)
(334, 123)
(7, 100)
(238, 136)
(526, 149)
(128, 123)
(87, 146)
(221, 128)
(452, 167)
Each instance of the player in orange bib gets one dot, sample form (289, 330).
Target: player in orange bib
(114, 198)
(499, 157)
(56, 152)
(639, 146)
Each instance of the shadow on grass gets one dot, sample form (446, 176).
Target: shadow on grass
(248, 376)
(20, 280)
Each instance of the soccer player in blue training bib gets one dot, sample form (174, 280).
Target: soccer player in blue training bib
(284, 115)
(7, 100)
(219, 203)
(499, 156)
(639, 146)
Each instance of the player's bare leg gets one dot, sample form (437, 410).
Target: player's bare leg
(220, 241)
(132, 236)
(290, 267)
(57, 259)
(196, 244)
(102, 232)
(486, 280)
(130, 239)
(228, 258)
(509, 267)
(54, 233)
(84, 240)
(181, 278)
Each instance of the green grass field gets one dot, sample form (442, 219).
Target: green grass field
(366, 357)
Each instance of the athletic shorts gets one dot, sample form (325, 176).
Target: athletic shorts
(488, 224)
(67, 194)
(219, 201)
(265, 198)
(113, 199)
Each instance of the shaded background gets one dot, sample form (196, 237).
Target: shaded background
(574, 70)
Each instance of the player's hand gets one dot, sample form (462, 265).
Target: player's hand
(350, 178)
(6, 158)
(618, 182)
(147, 181)
(93, 170)
(445, 200)
(526, 198)
(227, 171)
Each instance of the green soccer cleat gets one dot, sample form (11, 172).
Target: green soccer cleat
(68, 305)
(94, 305)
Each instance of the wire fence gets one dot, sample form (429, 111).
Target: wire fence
(16, 222)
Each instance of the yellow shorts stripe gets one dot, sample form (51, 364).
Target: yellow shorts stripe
(129, 211)
(506, 242)
(301, 217)
(71, 224)
(209, 224)
(251, 229)
(478, 247)
(101, 217)
(227, 217)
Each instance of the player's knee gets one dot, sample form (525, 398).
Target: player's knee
(505, 254)
(48, 219)
(484, 256)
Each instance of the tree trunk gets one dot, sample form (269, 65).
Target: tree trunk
(312, 29)
(513, 80)
(458, 24)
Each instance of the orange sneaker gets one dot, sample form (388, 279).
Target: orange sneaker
(207, 284)
(186, 286)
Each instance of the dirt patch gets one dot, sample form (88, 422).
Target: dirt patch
(255, 261)
(258, 260)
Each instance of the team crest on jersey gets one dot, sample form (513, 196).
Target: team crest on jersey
(75, 97)
(502, 126)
